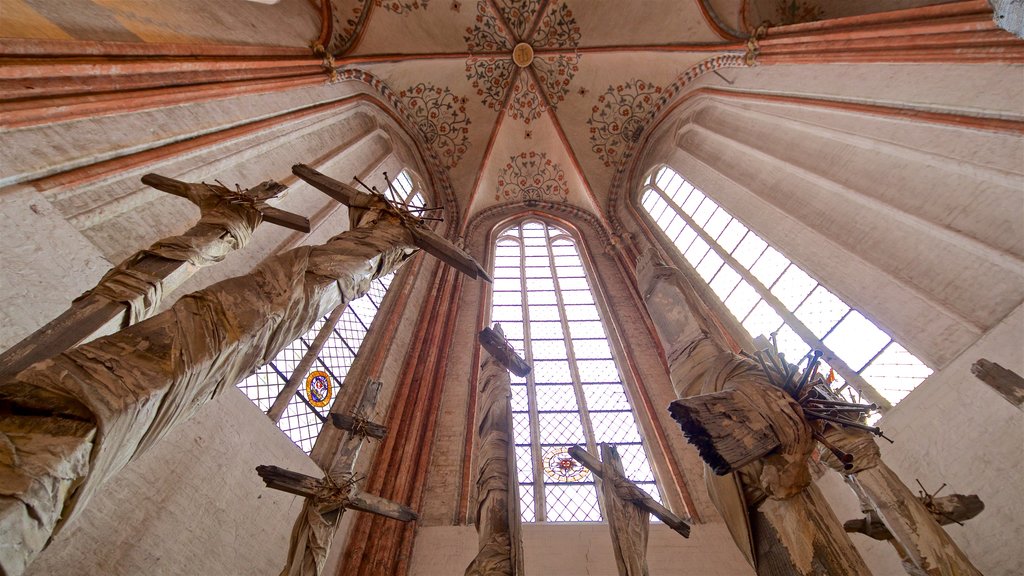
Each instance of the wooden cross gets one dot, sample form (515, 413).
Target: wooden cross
(626, 508)
(423, 237)
(95, 313)
(497, 516)
(493, 340)
(328, 498)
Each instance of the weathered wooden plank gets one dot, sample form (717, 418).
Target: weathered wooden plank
(364, 502)
(727, 430)
(352, 424)
(493, 340)
(653, 506)
(288, 481)
(954, 508)
(1007, 383)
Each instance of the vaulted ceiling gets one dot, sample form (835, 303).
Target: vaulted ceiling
(526, 100)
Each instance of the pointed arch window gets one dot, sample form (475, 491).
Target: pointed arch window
(768, 293)
(304, 418)
(574, 395)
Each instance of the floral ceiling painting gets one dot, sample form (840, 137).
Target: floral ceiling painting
(531, 176)
(523, 60)
(620, 116)
(441, 118)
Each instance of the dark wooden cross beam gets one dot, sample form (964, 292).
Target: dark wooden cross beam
(94, 314)
(359, 426)
(493, 340)
(955, 508)
(642, 500)
(423, 237)
(310, 487)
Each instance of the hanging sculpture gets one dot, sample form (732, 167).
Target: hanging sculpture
(497, 513)
(762, 487)
(628, 509)
(133, 289)
(71, 422)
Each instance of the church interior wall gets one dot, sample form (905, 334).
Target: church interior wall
(947, 281)
(196, 494)
(281, 23)
(191, 505)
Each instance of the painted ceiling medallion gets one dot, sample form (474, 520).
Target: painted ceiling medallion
(441, 117)
(531, 176)
(514, 66)
(522, 55)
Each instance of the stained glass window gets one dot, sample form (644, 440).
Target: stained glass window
(574, 394)
(308, 409)
(768, 293)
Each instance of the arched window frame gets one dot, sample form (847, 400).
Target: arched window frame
(851, 381)
(655, 460)
(302, 421)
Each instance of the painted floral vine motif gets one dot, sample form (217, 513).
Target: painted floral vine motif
(519, 14)
(441, 117)
(487, 35)
(525, 103)
(490, 77)
(531, 176)
(403, 6)
(620, 116)
(555, 73)
(558, 29)
(794, 12)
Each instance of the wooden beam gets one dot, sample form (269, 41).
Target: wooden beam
(357, 426)
(726, 428)
(423, 237)
(1007, 383)
(493, 340)
(664, 514)
(300, 484)
(955, 508)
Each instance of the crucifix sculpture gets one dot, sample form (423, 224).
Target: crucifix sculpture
(627, 509)
(497, 513)
(778, 518)
(99, 406)
(133, 289)
(328, 498)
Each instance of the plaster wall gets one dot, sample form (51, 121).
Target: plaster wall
(277, 23)
(191, 505)
(584, 550)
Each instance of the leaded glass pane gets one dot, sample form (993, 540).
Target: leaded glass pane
(816, 312)
(565, 379)
(856, 340)
(895, 372)
(303, 418)
(571, 503)
(563, 428)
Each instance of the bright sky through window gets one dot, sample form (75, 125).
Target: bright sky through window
(574, 394)
(768, 293)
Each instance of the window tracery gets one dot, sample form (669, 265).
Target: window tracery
(768, 293)
(574, 395)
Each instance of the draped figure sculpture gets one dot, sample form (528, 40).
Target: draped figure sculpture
(777, 517)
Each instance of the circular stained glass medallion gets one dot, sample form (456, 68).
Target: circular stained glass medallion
(318, 388)
(561, 467)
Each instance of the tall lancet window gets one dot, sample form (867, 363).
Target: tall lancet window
(307, 410)
(574, 394)
(768, 293)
